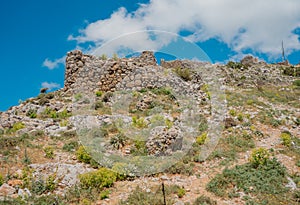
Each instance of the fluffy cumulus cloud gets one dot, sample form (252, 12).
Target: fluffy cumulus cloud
(53, 64)
(242, 24)
(50, 85)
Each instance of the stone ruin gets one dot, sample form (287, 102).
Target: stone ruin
(95, 73)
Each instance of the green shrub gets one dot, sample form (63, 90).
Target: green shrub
(38, 186)
(296, 83)
(63, 114)
(53, 114)
(82, 155)
(181, 192)
(286, 139)
(297, 121)
(1, 179)
(139, 148)
(49, 152)
(50, 183)
(98, 179)
(259, 156)
(234, 65)
(32, 113)
(201, 139)
(232, 112)
(118, 141)
(17, 126)
(268, 178)
(182, 168)
(123, 170)
(71, 146)
(184, 73)
(162, 91)
(98, 93)
(139, 122)
(204, 200)
(240, 117)
(104, 194)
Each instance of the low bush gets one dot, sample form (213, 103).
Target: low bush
(17, 126)
(104, 194)
(269, 177)
(118, 141)
(296, 83)
(51, 183)
(82, 155)
(98, 93)
(259, 156)
(49, 152)
(70, 146)
(182, 168)
(181, 192)
(1, 179)
(32, 113)
(99, 179)
(286, 139)
(139, 122)
(201, 139)
(234, 65)
(184, 73)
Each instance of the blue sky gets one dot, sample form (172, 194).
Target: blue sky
(36, 35)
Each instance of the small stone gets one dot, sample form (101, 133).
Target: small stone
(164, 178)
(6, 190)
(15, 182)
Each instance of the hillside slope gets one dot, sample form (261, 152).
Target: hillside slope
(234, 131)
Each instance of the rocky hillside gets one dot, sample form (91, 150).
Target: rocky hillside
(120, 128)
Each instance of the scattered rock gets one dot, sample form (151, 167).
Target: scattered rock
(6, 190)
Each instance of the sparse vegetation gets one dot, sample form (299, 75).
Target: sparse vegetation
(234, 65)
(17, 126)
(201, 139)
(286, 139)
(82, 155)
(49, 152)
(268, 177)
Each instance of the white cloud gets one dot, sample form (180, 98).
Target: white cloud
(50, 85)
(241, 24)
(53, 64)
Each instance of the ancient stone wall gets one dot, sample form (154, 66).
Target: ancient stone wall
(93, 73)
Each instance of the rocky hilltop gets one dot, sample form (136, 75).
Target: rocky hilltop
(233, 128)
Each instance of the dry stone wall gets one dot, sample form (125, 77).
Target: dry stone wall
(93, 73)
